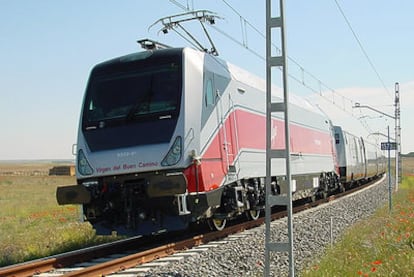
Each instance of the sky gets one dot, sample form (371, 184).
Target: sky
(48, 47)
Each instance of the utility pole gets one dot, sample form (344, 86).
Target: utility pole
(396, 117)
(389, 173)
(281, 107)
(398, 167)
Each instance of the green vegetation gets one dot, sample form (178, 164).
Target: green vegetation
(382, 245)
(33, 225)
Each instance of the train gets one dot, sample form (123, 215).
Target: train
(358, 160)
(170, 137)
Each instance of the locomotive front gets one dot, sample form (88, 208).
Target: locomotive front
(130, 150)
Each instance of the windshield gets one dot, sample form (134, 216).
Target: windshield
(134, 95)
(126, 98)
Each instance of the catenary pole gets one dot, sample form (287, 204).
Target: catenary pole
(281, 107)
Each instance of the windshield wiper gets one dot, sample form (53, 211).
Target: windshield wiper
(143, 104)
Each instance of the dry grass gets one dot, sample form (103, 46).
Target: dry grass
(32, 224)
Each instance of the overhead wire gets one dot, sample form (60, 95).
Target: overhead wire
(304, 72)
(326, 94)
(302, 81)
(362, 47)
(178, 4)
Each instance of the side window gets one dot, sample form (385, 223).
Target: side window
(209, 93)
(208, 96)
(337, 139)
(356, 149)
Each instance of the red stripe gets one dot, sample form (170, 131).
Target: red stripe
(251, 134)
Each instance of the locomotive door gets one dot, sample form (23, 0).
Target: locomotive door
(234, 137)
(227, 135)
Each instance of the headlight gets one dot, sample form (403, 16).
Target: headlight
(174, 154)
(83, 164)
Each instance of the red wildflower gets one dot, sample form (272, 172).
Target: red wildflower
(377, 262)
(373, 269)
(359, 272)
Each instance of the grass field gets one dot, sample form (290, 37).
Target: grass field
(382, 245)
(32, 224)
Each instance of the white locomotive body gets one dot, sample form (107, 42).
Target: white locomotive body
(174, 136)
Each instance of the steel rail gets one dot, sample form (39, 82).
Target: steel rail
(63, 260)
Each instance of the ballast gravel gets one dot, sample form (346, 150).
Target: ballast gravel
(243, 254)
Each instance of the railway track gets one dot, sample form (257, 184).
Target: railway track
(130, 253)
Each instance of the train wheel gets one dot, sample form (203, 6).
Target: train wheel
(217, 224)
(253, 214)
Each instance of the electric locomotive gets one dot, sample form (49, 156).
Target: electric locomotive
(169, 137)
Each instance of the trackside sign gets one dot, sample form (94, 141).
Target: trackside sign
(388, 145)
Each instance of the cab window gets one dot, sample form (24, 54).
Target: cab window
(209, 93)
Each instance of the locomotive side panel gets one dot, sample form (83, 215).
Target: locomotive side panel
(237, 127)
